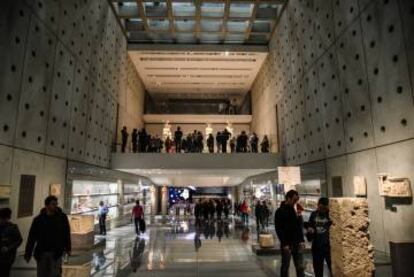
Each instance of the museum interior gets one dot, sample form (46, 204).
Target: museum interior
(186, 105)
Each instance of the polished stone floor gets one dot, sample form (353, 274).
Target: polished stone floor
(179, 247)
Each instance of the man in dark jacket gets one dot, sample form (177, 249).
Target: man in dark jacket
(289, 229)
(318, 229)
(225, 137)
(254, 142)
(124, 138)
(134, 140)
(210, 143)
(243, 142)
(178, 139)
(49, 236)
(143, 140)
(10, 240)
(219, 140)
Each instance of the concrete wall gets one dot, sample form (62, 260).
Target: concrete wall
(341, 75)
(63, 67)
(131, 100)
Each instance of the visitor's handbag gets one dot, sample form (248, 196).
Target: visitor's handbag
(142, 226)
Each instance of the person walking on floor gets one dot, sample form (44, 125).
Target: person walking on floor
(198, 211)
(211, 209)
(10, 240)
(102, 214)
(137, 215)
(244, 209)
(124, 138)
(289, 229)
(49, 239)
(219, 209)
(318, 232)
(178, 139)
(134, 140)
(226, 208)
(260, 214)
(266, 211)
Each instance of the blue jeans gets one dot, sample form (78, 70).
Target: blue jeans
(297, 255)
(245, 218)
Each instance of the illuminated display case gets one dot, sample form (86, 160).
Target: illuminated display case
(132, 193)
(309, 192)
(86, 196)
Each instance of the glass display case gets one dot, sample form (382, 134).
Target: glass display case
(309, 192)
(131, 194)
(86, 196)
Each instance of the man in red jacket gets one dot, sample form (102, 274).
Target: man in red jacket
(137, 216)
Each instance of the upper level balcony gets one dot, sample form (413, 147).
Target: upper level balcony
(197, 169)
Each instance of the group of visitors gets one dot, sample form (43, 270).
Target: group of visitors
(141, 141)
(262, 213)
(209, 209)
(193, 142)
(48, 240)
(289, 227)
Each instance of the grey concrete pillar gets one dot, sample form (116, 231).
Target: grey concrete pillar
(154, 200)
(164, 200)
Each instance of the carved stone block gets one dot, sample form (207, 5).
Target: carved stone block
(394, 186)
(360, 186)
(351, 249)
(81, 223)
(82, 241)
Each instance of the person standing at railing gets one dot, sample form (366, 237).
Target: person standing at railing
(134, 140)
(124, 138)
(254, 141)
(168, 145)
(219, 139)
(143, 140)
(226, 136)
(265, 145)
(178, 137)
(210, 143)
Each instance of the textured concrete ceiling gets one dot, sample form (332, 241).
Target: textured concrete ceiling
(197, 72)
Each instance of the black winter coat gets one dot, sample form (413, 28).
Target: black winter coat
(289, 226)
(10, 238)
(49, 234)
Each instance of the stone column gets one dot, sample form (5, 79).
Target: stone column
(121, 201)
(351, 249)
(154, 200)
(164, 200)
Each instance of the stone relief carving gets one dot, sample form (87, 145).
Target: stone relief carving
(360, 186)
(394, 186)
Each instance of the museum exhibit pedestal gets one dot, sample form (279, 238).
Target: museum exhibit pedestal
(81, 270)
(271, 251)
(266, 240)
(402, 254)
(351, 250)
(83, 241)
